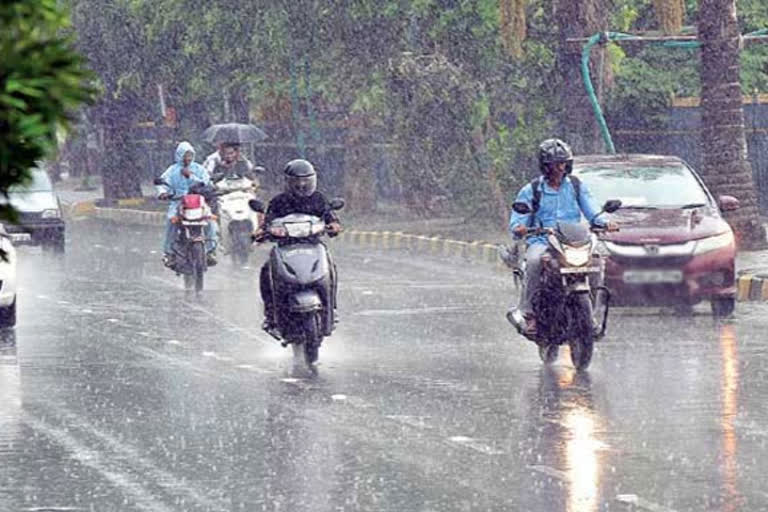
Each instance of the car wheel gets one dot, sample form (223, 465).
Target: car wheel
(8, 315)
(723, 307)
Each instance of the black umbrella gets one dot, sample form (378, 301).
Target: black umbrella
(233, 132)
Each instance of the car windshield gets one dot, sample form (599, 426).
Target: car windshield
(40, 183)
(669, 186)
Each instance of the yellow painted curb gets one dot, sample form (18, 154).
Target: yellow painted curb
(132, 201)
(744, 283)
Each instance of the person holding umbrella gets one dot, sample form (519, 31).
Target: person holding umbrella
(230, 133)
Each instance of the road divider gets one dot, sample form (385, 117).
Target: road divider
(752, 287)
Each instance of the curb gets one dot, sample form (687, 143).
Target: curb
(478, 251)
(752, 287)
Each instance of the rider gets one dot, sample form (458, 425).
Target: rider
(300, 196)
(561, 198)
(232, 163)
(179, 177)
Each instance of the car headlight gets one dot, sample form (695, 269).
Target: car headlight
(51, 214)
(714, 242)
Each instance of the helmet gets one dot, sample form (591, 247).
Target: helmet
(553, 151)
(300, 178)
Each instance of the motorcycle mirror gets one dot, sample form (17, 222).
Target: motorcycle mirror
(337, 203)
(521, 208)
(612, 205)
(159, 181)
(256, 205)
(259, 169)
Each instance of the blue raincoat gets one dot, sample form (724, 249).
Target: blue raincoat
(179, 185)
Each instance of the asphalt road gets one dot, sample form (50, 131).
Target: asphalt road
(119, 391)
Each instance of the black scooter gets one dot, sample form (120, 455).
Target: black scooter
(302, 279)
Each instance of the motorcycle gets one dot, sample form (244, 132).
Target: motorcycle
(303, 281)
(571, 305)
(236, 220)
(192, 218)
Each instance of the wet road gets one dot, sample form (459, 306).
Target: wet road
(121, 392)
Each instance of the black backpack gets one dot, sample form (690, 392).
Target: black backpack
(536, 201)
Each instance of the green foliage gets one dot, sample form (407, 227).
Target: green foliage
(42, 82)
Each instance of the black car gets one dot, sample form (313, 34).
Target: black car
(40, 217)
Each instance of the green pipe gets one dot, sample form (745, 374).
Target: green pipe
(618, 36)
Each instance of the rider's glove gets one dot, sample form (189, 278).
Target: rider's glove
(334, 228)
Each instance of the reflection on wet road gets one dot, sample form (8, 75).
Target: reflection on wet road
(122, 392)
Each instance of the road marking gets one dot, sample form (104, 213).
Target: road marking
(474, 444)
(173, 342)
(339, 398)
(140, 496)
(113, 320)
(412, 421)
(555, 473)
(634, 499)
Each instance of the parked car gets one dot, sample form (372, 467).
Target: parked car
(40, 216)
(7, 281)
(674, 247)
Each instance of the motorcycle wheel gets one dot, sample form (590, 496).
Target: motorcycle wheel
(548, 353)
(312, 338)
(197, 257)
(583, 340)
(240, 244)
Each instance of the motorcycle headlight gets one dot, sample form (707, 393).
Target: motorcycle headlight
(52, 213)
(577, 256)
(714, 242)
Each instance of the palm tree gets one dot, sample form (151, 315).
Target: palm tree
(726, 169)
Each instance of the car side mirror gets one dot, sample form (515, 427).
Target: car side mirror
(159, 182)
(256, 205)
(521, 208)
(612, 205)
(337, 203)
(728, 203)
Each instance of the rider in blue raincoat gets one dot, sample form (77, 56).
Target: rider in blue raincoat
(180, 176)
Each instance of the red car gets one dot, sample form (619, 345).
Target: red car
(673, 248)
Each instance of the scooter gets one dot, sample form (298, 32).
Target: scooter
(303, 281)
(236, 220)
(192, 218)
(571, 305)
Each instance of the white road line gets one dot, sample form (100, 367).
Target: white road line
(412, 421)
(132, 457)
(140, 496)
(474, 444)
(637, 501)
(555, 473)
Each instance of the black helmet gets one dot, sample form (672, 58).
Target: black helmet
(300, 178)
(553, 151)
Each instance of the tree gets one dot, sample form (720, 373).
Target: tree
(726, 168)
(42, 81)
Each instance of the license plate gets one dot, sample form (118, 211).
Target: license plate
(21, 237)
(653, 276)
(579, 270)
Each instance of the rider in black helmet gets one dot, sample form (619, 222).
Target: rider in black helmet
(300, 196)
(554, 196)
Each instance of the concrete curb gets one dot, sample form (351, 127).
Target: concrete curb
(479, 251)
(752, 287)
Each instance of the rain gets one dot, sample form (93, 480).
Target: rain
(392, 255)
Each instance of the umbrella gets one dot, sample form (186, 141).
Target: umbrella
(233, 132)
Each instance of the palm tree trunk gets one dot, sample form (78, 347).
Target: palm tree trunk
(726, 169)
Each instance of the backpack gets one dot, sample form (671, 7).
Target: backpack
(536, 201)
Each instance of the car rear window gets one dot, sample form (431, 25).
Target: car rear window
(40, 183)
(659, 186)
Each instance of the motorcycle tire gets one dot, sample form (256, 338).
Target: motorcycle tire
(197, 257)
(582, 341)
(312, 338)
(240, 247)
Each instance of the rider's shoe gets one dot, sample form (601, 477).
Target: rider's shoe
(271, 328)
(211, 260)
(169, 260)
